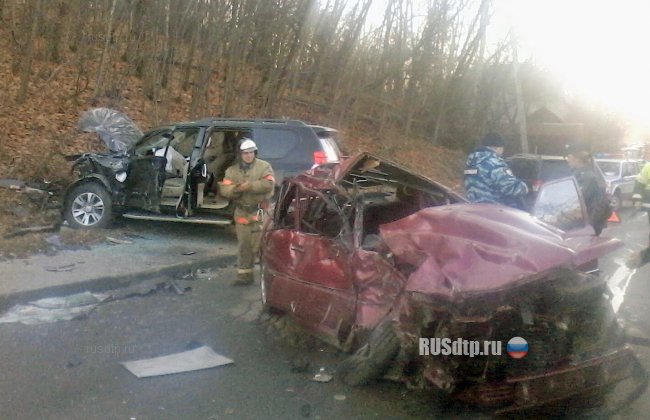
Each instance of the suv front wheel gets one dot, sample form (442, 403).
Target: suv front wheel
(88, 206)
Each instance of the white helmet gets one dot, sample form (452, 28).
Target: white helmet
(247, 145)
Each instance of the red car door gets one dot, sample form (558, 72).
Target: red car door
(314, 283)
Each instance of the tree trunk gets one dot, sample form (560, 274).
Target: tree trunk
(168, 47)
(102, 64)
(521, 112)
(26, 67)
(54, 32)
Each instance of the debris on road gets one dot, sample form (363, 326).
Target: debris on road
(189, 253)
(135, 236)
(32, 229)
(322, 376)
(54, 309)
(340, 397)
(202, 274)
(61, 268)
(116, 241)
(178, 289)
(197, 359)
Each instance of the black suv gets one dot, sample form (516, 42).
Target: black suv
(171, 172)
(535, 170)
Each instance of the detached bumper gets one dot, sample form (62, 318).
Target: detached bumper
(530, 391)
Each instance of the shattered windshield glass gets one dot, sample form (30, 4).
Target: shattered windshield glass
(115, 129)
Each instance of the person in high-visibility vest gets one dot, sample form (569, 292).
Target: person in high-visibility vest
(249, 184)
(641, 197)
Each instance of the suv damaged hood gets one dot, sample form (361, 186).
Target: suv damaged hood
(115, 129)
(467, 249)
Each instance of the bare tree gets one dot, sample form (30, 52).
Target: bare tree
(26, 64)
(107, 43)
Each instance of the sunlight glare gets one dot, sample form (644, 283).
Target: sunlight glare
(598, 49)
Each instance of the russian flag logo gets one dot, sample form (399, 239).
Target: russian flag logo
(517, 347)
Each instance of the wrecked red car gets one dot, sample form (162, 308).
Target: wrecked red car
(384, 263)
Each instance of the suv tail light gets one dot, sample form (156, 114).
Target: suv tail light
(320, 157)
(330, 152)
(536, 184)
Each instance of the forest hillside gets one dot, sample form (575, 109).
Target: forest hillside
(53, 73)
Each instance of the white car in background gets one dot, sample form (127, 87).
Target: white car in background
(620, 175)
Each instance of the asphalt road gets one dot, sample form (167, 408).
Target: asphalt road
(72, 370)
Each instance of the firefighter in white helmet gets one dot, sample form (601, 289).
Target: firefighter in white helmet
(249, 183)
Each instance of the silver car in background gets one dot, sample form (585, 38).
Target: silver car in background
(620, 175)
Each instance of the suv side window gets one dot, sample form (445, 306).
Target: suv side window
(156, 140)
(184, 140)
(274, 143)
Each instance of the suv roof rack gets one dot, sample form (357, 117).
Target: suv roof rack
(212, 120)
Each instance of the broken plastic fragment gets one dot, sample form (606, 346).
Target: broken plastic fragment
(322, 376)
(54, 309)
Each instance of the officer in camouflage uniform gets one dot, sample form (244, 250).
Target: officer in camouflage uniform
(249, 184)
(641, 197)
(488, 178)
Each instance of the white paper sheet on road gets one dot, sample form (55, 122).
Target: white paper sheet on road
(201, 358)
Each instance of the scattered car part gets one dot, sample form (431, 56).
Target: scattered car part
(197, 359)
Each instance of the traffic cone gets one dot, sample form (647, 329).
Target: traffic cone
(614, 218)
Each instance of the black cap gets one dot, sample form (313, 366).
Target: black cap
(493, 140)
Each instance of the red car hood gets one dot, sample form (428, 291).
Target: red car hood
(466, 249)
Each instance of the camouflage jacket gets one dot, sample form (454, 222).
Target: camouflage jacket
(488, 179)
(259, 175)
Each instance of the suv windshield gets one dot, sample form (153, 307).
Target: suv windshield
(610, 168)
